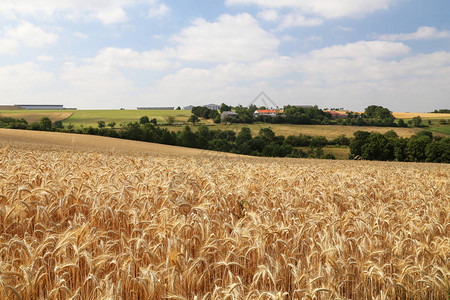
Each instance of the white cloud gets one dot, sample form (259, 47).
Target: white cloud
(375, 49)
(158, 11)
(269, 15)
(80, 35)
(8, 46)
(325, 8)
(96, 86)
(31, 35)
(112, 15)
(45, 58)
(107, 11)
(128, 58)
(296, 19)
(94, 77)
(358, 75)
(230, 38)
(287, 38)
(22, 79)
(422, 33)
(345, 29)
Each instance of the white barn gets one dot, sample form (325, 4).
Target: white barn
(212, 106)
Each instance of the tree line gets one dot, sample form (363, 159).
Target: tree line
(422, 147)
(374, 115)
(266, 143)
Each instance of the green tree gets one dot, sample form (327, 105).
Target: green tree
(58, 124)
(170, 120)
(144, 120)
(401, 123)
(378, 112)
(45, 124)
(267, 134)
(112, 124)
(194, 119)
(377, 148)
(360, 138)
(417, 145)
(245, 135)
(101, 124)
(154, 121)
(187, 138)
(438, 151)
(417, 121)
(224, 107)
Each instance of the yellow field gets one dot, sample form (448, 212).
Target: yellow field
(400, 115)
(86, 222)
(328, 131)
(34, 116)
(94, 143)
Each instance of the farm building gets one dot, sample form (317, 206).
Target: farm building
(225, 114)
(212, 106)
(337, 114)
(156, 108)
(265, 112)
(41, 106)
(189, 107)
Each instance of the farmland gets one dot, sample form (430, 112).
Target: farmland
(90, 117)
(328, 131)
(86, 118)
(35, 115)
(409, 115)
(94, 219)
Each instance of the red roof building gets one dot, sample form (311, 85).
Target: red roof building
(336, 114)
(266, 111)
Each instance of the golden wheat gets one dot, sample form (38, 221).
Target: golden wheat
(94, 225)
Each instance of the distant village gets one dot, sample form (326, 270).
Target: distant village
(272, 112)
(337, 113)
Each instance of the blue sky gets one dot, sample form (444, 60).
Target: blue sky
(99, 54)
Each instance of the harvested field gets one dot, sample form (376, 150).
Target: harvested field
(328, 131)
(36, 115)
(91, 223)
(400, 115)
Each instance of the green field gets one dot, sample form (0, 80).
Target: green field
(90, 117)
(86, 118)
(442, 129)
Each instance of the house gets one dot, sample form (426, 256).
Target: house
(337, 114)
(225, 114)
(212, 106)
(265, 112)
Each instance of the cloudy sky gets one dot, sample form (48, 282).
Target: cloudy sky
(127, 53)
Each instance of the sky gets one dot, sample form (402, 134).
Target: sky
(110, 54)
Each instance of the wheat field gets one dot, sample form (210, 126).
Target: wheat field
(97, 224)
